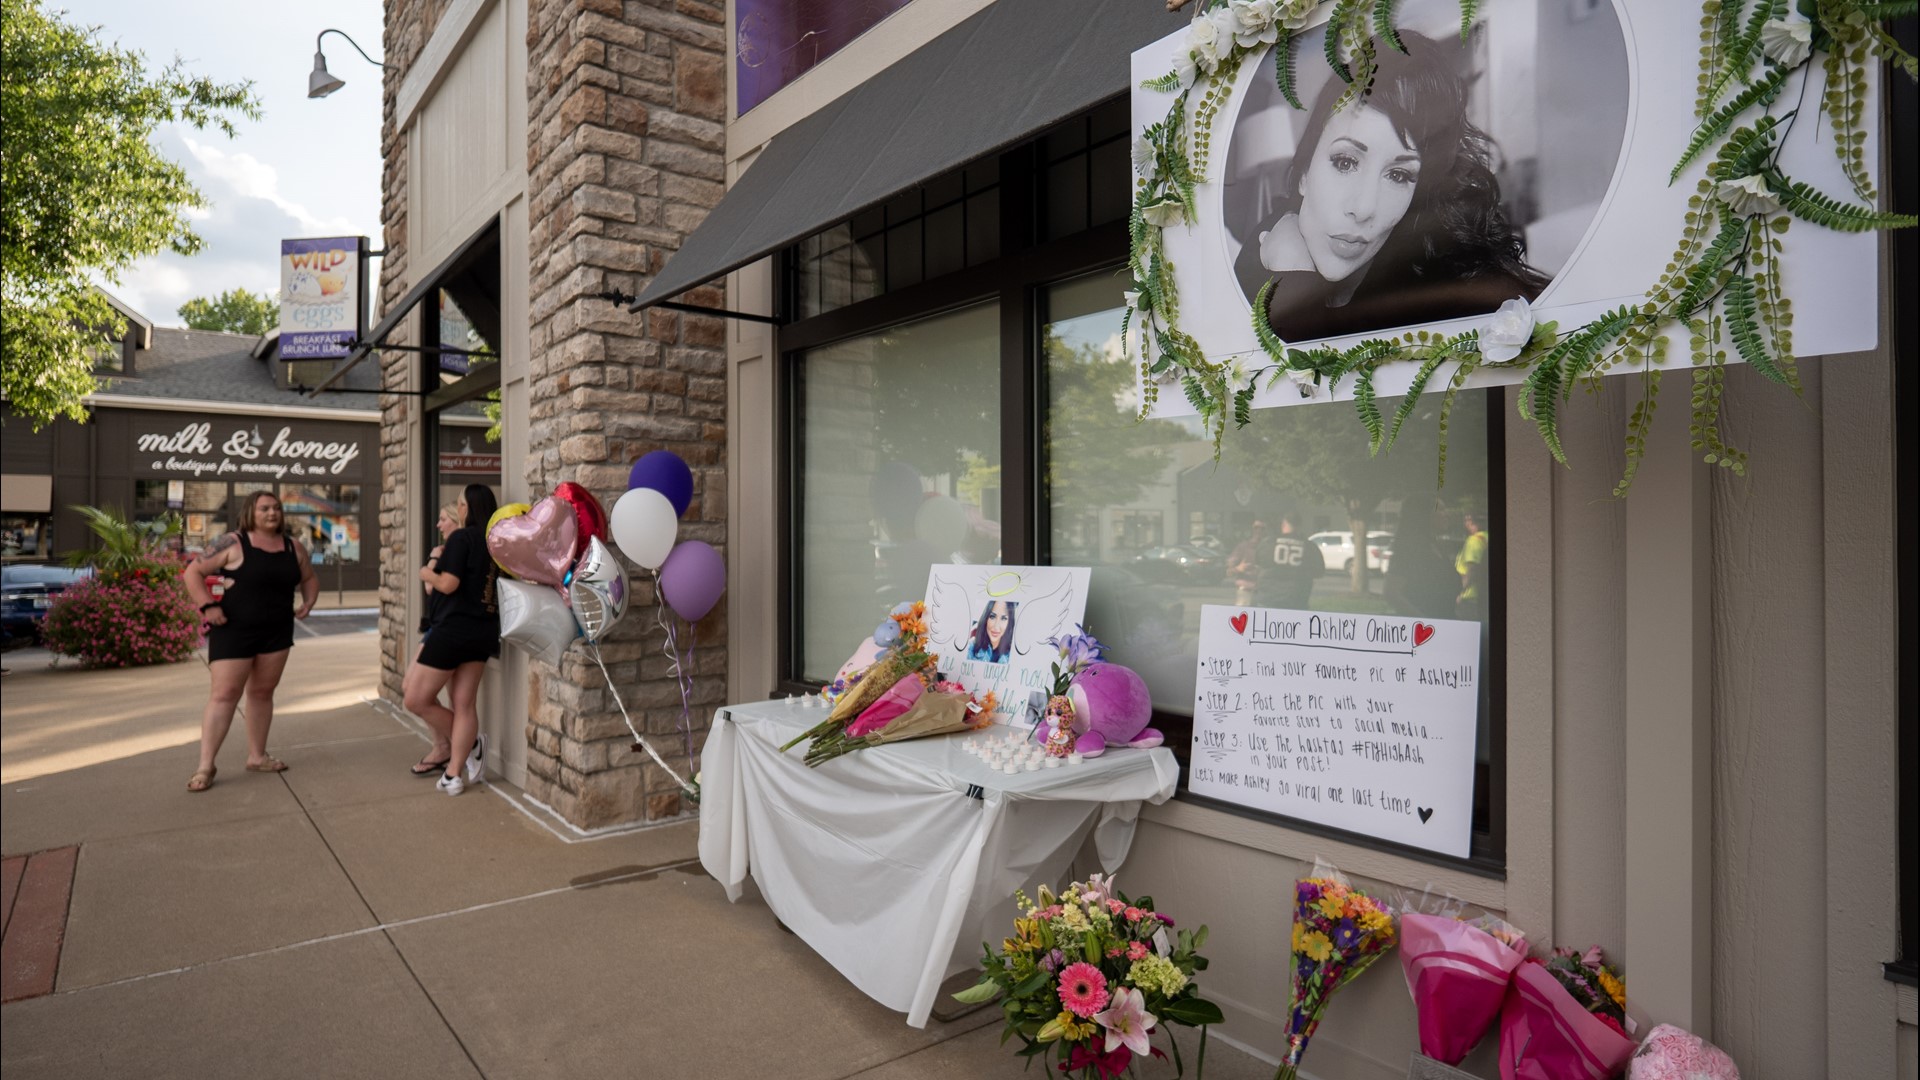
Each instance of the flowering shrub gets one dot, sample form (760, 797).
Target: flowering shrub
(138, 615)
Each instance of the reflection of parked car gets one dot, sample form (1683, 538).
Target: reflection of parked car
(26, 592)
(1180, 563)
(1336, 548)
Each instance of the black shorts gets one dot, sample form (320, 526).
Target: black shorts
(451, 644)
(237, 641)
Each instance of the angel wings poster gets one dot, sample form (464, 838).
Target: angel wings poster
(990, 624)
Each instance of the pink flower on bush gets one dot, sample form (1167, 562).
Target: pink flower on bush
(139, 616)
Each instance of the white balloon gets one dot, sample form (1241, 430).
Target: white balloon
(942, 523)
(535, 619)
(644, 525)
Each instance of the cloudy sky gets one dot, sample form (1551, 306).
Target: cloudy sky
(305, 168)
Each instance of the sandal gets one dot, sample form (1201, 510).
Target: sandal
(271, 764)
(201, 780)
(428, 768)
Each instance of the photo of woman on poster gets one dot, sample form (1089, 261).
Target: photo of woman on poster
(993, 634)
(1390, 213)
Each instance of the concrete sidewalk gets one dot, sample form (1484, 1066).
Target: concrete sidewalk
(343, 919)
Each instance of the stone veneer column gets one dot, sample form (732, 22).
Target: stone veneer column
(626, 106)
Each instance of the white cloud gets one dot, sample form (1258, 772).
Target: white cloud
(251, 178)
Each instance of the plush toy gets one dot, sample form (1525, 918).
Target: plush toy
(1111, 707)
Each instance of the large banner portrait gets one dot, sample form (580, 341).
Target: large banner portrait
(990, 626)
(1528, 154)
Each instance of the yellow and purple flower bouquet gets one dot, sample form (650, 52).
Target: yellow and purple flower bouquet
(1089, 975)
(1338, 932)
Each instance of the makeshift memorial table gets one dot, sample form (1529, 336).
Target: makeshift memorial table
(895, 863)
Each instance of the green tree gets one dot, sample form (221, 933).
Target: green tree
(235, 311)
(87, 194)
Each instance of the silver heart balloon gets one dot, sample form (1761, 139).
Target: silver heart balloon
(597, 605)
(598, 563)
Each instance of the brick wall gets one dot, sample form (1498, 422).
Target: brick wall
(625, 113)
(625, 108)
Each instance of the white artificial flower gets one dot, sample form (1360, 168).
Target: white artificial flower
(1143, 154)
(1292, 15)
(1789, 41)
(1303, 381)
(1204, 43)
(1749, 195)
(1508, 331)
(1133, 298)
(1237, 373)
(1186, 70)
(1164, 214)
(1253, 22)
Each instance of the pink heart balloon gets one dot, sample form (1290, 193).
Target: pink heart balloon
(536, 546)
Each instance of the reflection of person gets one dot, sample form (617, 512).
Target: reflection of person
(464, 636)
(1420, 577)
(1297, 564)
(1248, 563)
(250, 628)
(993, 634)
(1472, 566)
(1390, 213)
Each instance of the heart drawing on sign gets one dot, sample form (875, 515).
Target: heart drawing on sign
(1422, 633)
(1239, 623)
(1425, 813)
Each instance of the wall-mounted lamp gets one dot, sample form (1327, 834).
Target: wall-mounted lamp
(322, 82)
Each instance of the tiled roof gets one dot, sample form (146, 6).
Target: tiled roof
(207, 365)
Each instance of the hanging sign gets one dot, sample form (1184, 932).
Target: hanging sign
(1358, 722)
(322, 290)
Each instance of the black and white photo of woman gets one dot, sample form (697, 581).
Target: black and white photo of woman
(1389, 213)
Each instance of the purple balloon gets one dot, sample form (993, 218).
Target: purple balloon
(664, 472)
(692, 579)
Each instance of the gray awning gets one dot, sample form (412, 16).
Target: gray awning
(485, 241)
(1009, 72)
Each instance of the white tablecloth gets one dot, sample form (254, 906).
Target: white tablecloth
(895, 862)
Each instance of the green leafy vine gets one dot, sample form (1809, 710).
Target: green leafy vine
(1722, 286)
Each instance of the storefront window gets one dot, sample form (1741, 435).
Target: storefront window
(24, 536)
(899, 469)
(1426, 549)
(325, 518)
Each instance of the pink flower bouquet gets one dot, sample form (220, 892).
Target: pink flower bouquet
(1090, 975)
(1563, 1019)
(1458, 974)
(1673, 1054)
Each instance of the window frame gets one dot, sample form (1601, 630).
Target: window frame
(1028, 264)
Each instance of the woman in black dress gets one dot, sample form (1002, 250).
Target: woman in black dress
(464, 635)
(250, 628)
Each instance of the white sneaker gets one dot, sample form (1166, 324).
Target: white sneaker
(476, 759)
(452, 785)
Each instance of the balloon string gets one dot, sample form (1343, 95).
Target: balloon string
(594, 647)
(681, 673)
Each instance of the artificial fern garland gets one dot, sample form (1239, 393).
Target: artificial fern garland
(1722, 285)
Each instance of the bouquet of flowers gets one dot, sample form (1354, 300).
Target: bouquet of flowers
(1671, 1053)
(1457, 972)
(1564, 1016)
(902, 638)
(1338, 932)
(910, 710)
(1089, 975)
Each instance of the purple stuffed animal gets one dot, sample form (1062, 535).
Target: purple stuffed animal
(1111, 707)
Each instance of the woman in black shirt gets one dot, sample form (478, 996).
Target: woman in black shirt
(464, 634)
(250, 628)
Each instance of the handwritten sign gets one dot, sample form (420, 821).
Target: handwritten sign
(1358, 722)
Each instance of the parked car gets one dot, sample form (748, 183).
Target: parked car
(1336, 549)
(1180, 563)
(27, 591)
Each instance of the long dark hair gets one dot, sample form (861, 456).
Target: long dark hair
(1456, 227)
(481, 506)
(982, 643)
